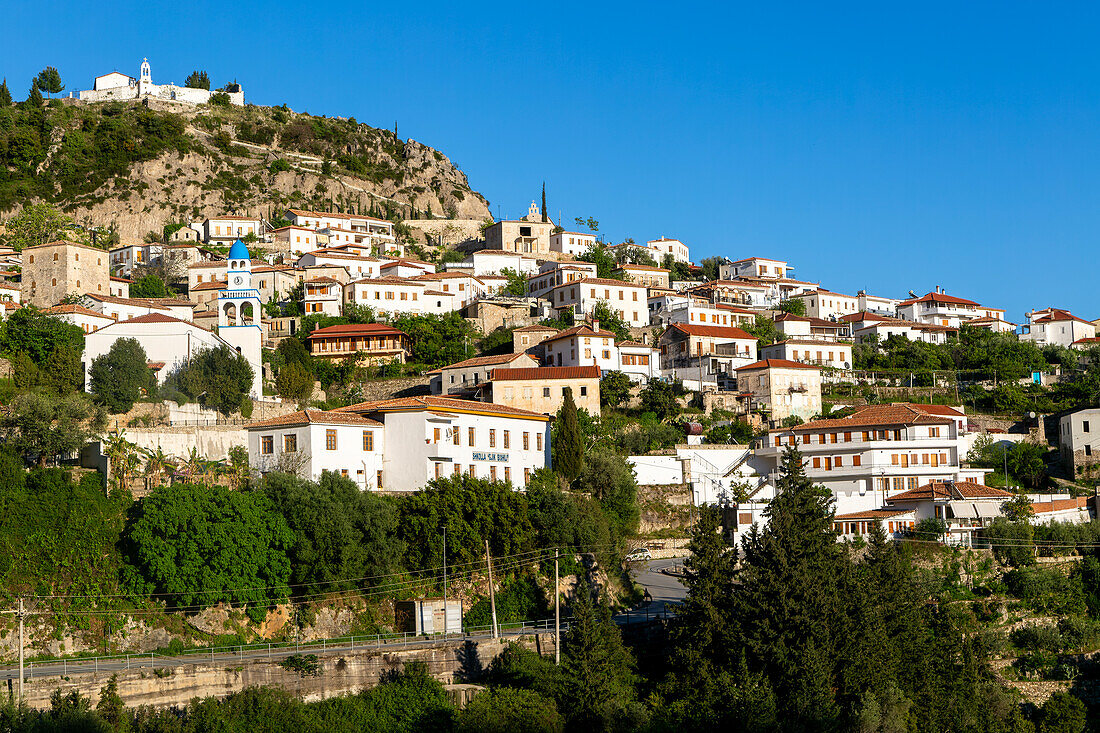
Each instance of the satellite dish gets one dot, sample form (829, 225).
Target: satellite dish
(1031, 415)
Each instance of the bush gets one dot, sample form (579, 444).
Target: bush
(220, 99)
(504, 710)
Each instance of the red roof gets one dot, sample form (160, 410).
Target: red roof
(537, 373)
(951, 490)
(897, 415)
(938, 298)
(1057, 314)
(72, 308)
(730, 332)
(444, 404)
(357, 329)
(872, 514)
(777, 364)
(311, 415)
(582, 330)
(484, 361)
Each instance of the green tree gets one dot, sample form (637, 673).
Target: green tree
(5, 95)
(1063, 713)
(567, 449)
(599, 684)
(218, 378)
(763, 328)
(789, 602)
(794, 306)
(712, 267)
(198, 80)
(605, 263)
(610, 479)
(236, 548)
(544, 202)
(295, 383)
(63, 371)
(111, 708)
(517, 283)
(29, 331)
(118, 377)
(340, 532)
(614, 389)
(34, 96)
(1025, 461)
(474, 510)
(437, 339)
(149, 286)
(504, 710)
(610, 320)
(49, 81)
(659, 398)
(41, 428)
(35, 224)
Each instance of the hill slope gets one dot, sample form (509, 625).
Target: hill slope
(136, 166)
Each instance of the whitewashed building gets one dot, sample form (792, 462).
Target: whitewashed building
(572, 243)
(627, 300)
(1055, 326)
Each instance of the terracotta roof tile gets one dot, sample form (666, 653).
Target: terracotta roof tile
(951, 490)
(730, 332)
(310, 416)
(525, 374)
(777, 364)
(356, 329)
(430, 403)
(897, 415)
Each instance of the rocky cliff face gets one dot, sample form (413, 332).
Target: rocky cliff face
(138, 166)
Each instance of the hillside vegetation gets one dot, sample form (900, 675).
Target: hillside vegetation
(134, 166)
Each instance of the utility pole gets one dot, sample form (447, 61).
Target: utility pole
(492, 593)
(21, 613)
(557, 614)
(445, 608)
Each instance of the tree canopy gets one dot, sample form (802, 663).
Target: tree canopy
(118, 377)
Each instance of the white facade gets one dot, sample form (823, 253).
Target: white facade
(474, 372)
(628, 301)
(1054, 326)
(828, 305)
(880, 451)
(323, 295)
(239, 314)
(940, 309)
(835, 354)
(754, 267)
(663, 246)
(228, 229)
(877, 304)
(358, 266)
(551, 274)
(494, 262)
(572, 243)
(118, 86)
(313, 441)
(432, 437)
(396, 295)
(165, 339)
(86, 319)
(582, 346)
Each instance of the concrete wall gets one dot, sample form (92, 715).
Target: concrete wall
(211, 441)
(341, 674)
(657, 470)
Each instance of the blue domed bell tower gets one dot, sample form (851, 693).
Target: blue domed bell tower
(239, 311)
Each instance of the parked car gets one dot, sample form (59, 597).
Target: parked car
(639, 555)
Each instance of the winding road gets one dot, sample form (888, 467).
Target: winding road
(666, 590)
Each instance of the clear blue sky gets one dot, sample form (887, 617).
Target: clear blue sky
(873, 145)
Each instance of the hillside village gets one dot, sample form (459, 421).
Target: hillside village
(398, 350)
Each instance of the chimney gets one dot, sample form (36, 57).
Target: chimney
(595, 325)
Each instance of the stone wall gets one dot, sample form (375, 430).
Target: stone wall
(342, 673)
(384, 389)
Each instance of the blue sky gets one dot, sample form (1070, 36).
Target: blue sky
(873, 145)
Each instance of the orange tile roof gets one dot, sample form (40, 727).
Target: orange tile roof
(527, 374)
(951, 490)
(333, 215)
(871, 514)
(730, 332)
(72, 308)
(452, 404)
(1058, 314)
(478, 361)
(1057, 505)
(938, 298)
(897, 415)
(310, 416)
(356, 329)
(535, 328)
(777, 364)
(583, 330)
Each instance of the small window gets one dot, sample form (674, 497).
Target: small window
(470, 435)
(290, 443)
(368, 439)
(545, 391)
(1088, 450)
(584, 391)
(267, 445)
(1085, 426)
(330, 440)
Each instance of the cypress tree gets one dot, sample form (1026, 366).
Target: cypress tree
(789, 602)
(544, 202)
(5, 94)
(34, 96)
(568, 451)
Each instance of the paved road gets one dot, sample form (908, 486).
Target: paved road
(666, 590)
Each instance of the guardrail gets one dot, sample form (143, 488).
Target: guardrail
(240, 653)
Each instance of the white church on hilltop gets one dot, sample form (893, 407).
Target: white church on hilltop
(119, 86)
